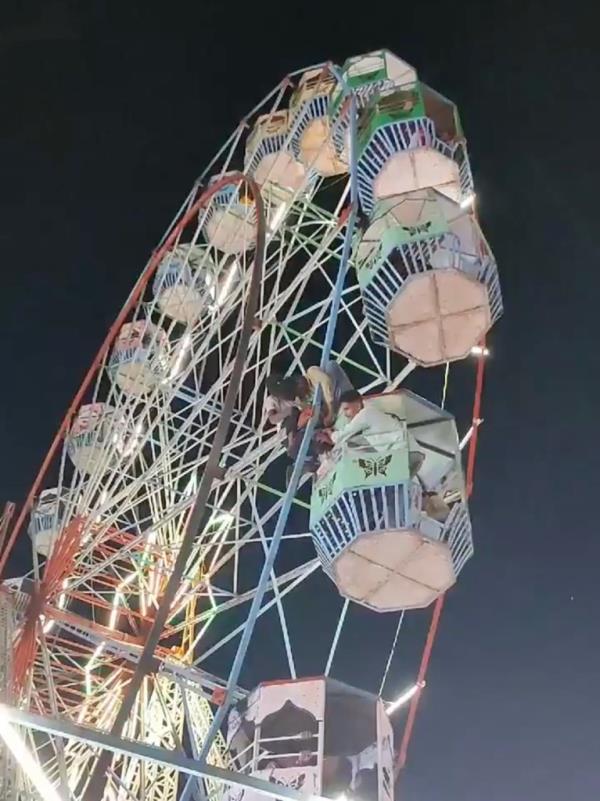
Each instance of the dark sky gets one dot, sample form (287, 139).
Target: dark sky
(107, 116)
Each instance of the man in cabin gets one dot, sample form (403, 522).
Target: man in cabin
(368, 427)
(368, 430)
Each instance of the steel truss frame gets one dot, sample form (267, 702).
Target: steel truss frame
(133, 509)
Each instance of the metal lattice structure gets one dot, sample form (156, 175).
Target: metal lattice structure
(136, 446)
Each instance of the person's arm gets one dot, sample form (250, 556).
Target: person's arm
(356, 426)
(319, 378)
(273, 411)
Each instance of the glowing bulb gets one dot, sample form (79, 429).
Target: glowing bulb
(112, 621)
(277, 217)
(478, 350)
(63, 596)
(90, 666)
(468, 201)
(465, 440)
(405, 697)
(114, 615)
(17, 746)
(225, 289)
(224, 517)
(184, 346)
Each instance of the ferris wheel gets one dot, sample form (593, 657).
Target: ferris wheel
(175, 522)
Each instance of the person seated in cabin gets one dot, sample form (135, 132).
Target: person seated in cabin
(368, 428)
(371, 429)
(435, 506)
(437, 503)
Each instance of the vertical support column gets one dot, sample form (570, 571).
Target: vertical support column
(303, 450)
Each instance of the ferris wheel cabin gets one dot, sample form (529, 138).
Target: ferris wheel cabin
(410, 138)
(367, 76)
(229, 223)
(98, 437)
(46, 520)
(372, 73)
(20, 589)
(428, 279)
(312, 140)
(186, 283)
(315, 735)
(140, 357)
(389, 520)
(268, 157)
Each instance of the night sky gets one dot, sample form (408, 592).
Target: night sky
(109, 114)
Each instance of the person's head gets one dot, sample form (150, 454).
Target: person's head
(351, 403)
(281, 387)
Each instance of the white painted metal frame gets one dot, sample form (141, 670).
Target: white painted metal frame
(135, 503)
